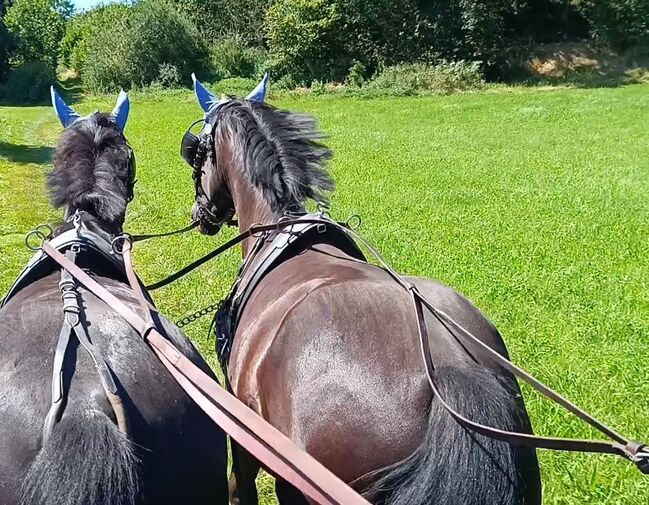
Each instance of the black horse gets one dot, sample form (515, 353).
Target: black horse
(170, 452)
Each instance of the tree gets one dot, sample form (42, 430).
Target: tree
(37, 28)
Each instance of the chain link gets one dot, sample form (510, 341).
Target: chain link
(195, 316)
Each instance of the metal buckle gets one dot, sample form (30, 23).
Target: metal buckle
(641, 460)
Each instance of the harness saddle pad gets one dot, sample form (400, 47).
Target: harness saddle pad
(280, 247)
(94, 250)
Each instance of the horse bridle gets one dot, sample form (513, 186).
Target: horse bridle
(195, 149)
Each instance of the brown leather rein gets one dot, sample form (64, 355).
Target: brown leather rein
(632, 450)
(272, 448)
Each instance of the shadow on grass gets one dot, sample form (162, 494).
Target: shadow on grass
(20, 153)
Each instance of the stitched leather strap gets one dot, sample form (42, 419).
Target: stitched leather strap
(261, 439)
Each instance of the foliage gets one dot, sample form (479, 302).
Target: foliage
(6, 48)
(28, 83)
(305, 39)
(168, 76)
(37, 28)
(356, 75)
(230, 57)
(420, 78)
(134, 49)
(621, 23)
(73, 49)
(216, 19)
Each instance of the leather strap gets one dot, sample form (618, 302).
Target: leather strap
(262, 440)
(140, 238)
(634, 451)
(253, 231)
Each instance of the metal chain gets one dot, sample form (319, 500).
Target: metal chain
(195, 316)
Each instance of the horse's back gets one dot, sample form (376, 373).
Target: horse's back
(179, 450)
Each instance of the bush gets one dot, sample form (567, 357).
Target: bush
(230, 57)
(306, 40)
(169, 76)
(28, 83)
(73, 49)
(37, 28)
(216, 19)
(135, 49)
(415, 79)
(620, 23)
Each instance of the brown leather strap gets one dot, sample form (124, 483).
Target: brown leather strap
(262, 440)
(630, 449)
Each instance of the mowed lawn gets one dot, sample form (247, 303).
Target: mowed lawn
(533, 203)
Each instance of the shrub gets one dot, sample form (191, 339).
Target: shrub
(28, 83)
(37, 29)
(139, 44)
(620, 23)
(230, 57)
(305, 40)
(356, 75)
(169, 76)
(73, 49)
(216, 19)
(419, 78)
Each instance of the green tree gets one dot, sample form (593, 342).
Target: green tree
(37, 28)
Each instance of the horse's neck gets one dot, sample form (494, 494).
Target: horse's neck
(250, 206)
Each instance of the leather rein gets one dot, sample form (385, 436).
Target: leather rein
(635, 451)
(265, 442)
(272, 448)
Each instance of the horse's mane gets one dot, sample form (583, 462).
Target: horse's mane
(280, 151)
(92, 170)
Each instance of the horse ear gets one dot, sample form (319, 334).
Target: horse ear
(259, 93)
(121, 110)
(65, 113)
(204, 96)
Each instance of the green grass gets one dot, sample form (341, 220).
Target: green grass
(533, 203)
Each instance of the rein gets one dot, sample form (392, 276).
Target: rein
(260, 438)
(636, 452)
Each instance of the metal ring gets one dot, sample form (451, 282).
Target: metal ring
(353, 222)
(46, 230)
(120, 240)
(39, 235)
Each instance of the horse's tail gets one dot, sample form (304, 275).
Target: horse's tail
(86, 460)
(455, 466)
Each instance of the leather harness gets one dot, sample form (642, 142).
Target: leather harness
(265, 442)
(270, 250)
(79, 245)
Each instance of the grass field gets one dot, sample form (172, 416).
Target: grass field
(534, 203)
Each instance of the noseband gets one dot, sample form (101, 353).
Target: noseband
(194, 150)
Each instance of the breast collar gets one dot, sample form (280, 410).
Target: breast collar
(268, 253)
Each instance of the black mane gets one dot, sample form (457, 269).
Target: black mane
(92, 171)
(280, 151)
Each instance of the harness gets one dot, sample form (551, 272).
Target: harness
(271, 249)
(80, 246)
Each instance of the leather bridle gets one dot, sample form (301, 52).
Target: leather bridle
(195, 150)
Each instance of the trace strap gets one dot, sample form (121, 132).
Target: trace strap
(261, 439)
(636, 452)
